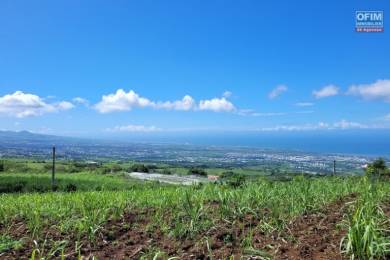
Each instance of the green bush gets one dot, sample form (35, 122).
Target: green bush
(152, 166)
(48, 167)
(139, 168)
(104, 170)
(197, 171)
(70, 187)
(166, 171)
(116, 168)
(13, 166)
(232, 179)
(12, 187)
(377, 168)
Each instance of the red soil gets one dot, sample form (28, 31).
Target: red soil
(310, 236)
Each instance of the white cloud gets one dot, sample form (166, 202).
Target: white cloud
(277, 91)
(303, 127)
(227, 94)
(20, 104)
(64, 105)
(251, 112)
(134, 128)
(122, 101)
(80, 100)
(344, 124)
(186, 104)
(217, 105)
(327, 91)
(341, 125)
(304, 112)
(379, 90)
(245, 112)
(304, 104)
(387, 117)
(269, 114)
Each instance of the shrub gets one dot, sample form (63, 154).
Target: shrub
(377, 168)
(41, 187)
(116, 168)
(55, 187)
(73, 169)
(152, 166)
(78, 166)
(226, 175)
(379, 164)
(166, 171)
(70, 187)
(12, 166)
(12, 187)
(104, 170)
(232, 179)
(197, 171)
(48, 167)
(139, 168)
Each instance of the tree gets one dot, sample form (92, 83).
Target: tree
(377, 167)
(379, 164)
(1, 166)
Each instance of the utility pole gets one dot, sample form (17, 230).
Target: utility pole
(53, 170)
(334, 168)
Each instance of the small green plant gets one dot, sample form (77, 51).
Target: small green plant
(193, 211)
(247, 242)
(7, 243)
(367, 236)
(41, 252)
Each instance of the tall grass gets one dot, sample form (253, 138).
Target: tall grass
(22, 183)
(368, 235)
(186, 211)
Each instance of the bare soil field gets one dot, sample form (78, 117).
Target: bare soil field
(309, 236)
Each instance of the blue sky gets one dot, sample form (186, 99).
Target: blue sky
(239, 65)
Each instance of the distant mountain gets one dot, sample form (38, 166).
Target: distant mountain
(27, 144)
(26, 136)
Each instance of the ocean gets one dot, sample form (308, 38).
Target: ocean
(353, 142)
